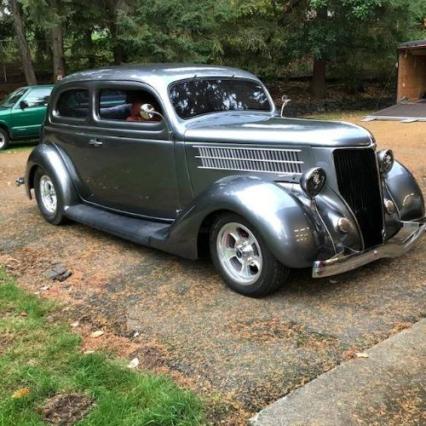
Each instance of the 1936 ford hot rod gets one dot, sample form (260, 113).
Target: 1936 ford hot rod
(174, 156)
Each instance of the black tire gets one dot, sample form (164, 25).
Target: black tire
(272, 274)
(57, 216)
(4, 139)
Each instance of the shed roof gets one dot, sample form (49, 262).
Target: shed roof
(415, 44)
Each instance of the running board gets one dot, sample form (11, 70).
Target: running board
(139, 231)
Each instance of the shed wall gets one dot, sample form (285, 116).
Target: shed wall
(411, 74)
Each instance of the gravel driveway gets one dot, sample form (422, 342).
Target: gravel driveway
(179, 318)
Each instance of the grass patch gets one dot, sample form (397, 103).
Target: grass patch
(40, 359)
(340, 116)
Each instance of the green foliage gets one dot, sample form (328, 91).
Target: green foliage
(45, 358)
(273, 38)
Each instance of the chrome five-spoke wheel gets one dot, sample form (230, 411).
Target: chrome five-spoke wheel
(48, 194)
(243, 259)
(239, 253)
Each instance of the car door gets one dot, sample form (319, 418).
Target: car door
(130, 164)
(29, 112)
(122, 165)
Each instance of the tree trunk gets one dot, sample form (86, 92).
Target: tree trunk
(27, 63)
(113, 7)
(58, 53)
(117, 49)
(318, 84)
(57, 37)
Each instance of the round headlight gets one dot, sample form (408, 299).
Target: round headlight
(313, 181)
(385, 160)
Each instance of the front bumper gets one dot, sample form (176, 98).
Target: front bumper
(394, 247)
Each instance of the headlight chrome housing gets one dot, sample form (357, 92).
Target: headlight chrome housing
(386, 160)
(313, 181)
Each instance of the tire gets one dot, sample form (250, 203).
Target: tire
(49, 198)
(4, 139)
(249, 268)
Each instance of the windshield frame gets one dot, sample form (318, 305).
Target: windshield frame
(4, 103)
(270, 111)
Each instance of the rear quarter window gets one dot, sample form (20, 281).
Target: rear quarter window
(73, 103)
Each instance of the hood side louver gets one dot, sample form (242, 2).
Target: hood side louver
(269, 160)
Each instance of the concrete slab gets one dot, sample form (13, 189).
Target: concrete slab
(404, 111)
(388, 388)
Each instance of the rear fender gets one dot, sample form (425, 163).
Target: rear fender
(50, 159)
(277, 215)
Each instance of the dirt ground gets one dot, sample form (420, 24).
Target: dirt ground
(179, 318)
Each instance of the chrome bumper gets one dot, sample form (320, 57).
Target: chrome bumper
(396, 246)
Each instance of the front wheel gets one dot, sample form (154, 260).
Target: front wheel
(4, 139)
(49, 197)
(243, 259)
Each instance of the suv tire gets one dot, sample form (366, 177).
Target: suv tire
(4, 139)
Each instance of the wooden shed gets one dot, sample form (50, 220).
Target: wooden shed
(411, 91)
(412, 71)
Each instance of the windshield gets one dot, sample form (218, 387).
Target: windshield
(11, 100)
(202, 96)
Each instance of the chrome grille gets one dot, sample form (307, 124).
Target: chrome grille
(270, 160)
(358, 181)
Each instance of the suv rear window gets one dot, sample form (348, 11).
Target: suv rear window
(73, 103)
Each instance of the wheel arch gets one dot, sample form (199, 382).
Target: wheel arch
(276, 214)
(204, 231)
(5, 127)
(47, 157)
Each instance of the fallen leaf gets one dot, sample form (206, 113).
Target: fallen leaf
(23, 314)
(97, 333)
(20, 393)
(133, 363)
(75, 324)
(361, 355)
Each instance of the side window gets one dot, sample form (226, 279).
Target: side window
(73, 103)
(125, 105)
(38, 97)
(11, 100)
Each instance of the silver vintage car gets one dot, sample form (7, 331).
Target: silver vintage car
(189, 159)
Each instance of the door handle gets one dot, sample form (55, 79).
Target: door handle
(96, 143)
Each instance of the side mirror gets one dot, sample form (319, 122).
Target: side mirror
(23, 104)
(147, 112)
(286, 100)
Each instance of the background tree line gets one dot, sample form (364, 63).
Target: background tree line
(345, 39)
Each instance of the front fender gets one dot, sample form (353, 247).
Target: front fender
(276, 214)
(49, 158)
(405, 193)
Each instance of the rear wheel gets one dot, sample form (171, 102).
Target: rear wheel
(243, 259)
(4, 139)
(49, 197)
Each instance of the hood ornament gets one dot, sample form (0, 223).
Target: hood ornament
(286, 100)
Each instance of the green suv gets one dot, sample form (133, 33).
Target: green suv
(22, 113)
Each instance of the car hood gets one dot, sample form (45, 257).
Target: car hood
(4, 110)
(260, 128)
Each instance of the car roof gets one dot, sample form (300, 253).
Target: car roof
(36, 86)
(164, 72)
